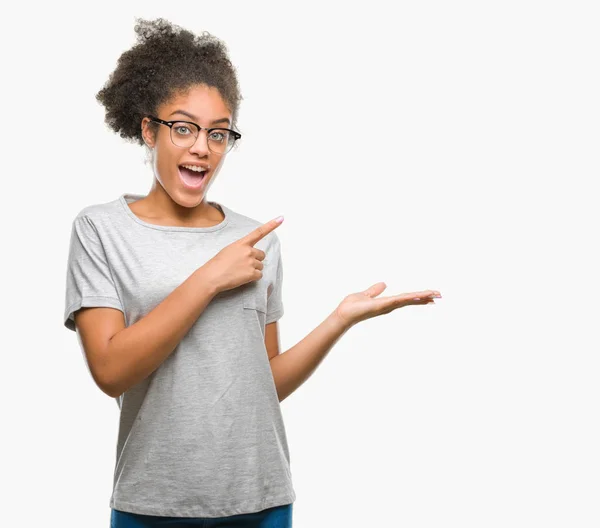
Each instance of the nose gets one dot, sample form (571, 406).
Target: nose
(200, 146)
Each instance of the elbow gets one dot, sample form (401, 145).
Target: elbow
(106, 385)
(106, 381)
(110, 390)
(112, 386)
(107, 377)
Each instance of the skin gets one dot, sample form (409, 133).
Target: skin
(294, 366)
(168, 202)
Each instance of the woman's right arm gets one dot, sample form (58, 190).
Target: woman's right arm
(119, 357)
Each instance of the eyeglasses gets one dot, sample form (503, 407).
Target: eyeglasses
(185, 133)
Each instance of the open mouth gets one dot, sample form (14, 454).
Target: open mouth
(190, 178)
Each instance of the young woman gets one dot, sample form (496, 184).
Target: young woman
(176, 300)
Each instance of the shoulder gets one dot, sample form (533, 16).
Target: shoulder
(98, 214)
(97, 222)
(99, 210)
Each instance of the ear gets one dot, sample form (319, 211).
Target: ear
(148, 137)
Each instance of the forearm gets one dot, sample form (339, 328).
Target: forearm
(294, 366)
(138, 350)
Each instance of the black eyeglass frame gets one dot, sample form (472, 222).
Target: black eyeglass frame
(236, 135)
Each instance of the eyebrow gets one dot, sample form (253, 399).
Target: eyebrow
(222, 120)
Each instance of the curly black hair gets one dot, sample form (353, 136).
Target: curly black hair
(166, 61)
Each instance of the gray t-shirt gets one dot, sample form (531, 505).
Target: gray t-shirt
(203, 435)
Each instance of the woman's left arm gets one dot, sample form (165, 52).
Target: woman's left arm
(294, 366)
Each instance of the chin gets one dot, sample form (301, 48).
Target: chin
(190, 201)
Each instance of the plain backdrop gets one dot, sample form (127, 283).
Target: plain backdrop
(430, 145)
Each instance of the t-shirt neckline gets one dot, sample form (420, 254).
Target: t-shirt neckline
(127, 198)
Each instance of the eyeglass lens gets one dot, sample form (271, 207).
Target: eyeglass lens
(220, 140)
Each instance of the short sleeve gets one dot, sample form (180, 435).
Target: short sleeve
(89, 282)
(275, 297)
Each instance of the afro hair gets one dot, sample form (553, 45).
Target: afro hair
(166, 61)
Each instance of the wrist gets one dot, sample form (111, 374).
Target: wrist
(339, 322)
(207, 281)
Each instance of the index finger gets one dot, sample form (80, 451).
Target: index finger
(261, 231)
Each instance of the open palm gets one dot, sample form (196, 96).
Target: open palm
(363, 305)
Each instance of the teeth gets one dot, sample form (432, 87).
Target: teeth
(194, 168)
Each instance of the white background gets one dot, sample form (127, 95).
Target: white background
(430, 145)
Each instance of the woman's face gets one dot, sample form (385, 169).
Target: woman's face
(204, 106)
